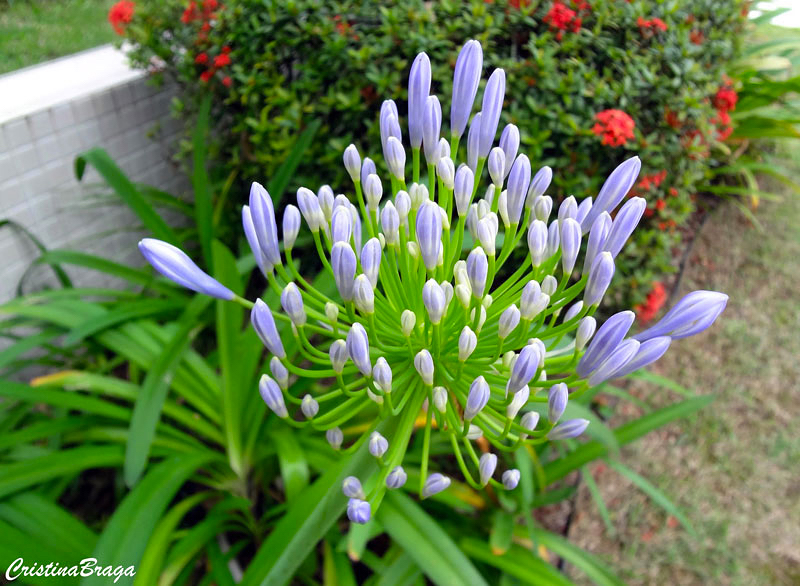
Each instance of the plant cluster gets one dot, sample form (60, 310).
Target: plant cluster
(569, 63)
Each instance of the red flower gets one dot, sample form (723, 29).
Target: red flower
(559, 16)
(658, 24)
(660, 204)
(659, 177)
(725, 99)
(226, 49)
(190, 13)
(201, 59)
(671, 118)
(696, 37)
(206, 27)
(654, 302)
(615, 126)
(210, 5)
(120, 15)
(226, 81)
(206, 76)
(222, 60)
(673, 192)
(648, 212)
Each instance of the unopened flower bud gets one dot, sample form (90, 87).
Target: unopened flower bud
(496, 164)
(537, 242)
(549, 285)
(279, 372)
(292, 303)
(382, 374)
(351, 487)
(396, 478)
(402, 202)
(352, 162)
(467, 342)
(364, 295)
(486, 467)
(573, 311)
(509, 142)
(567, 209)
(373, 190)
(331, 311)
(446, 171)
(429, 233)
(553, 239)
(466, 78)
(390, 222)
(367, 168)
(359, 511)
(585, 332)
(271, 394)
(539, 184)
(423, 362)
(477, 398)
(524, 368)
(464, 294)
(557, 401)
(568, 429)
(343, 263)
(583, 210)
(481, 317)
(378, 444)
(511, 479)
(529, 420)
(477, 270)
(335, 437)
(518, 402)
(473, 141)
(358, 348)
(291, 226)
(341, 225)
(542, 206)
(570, 244)
(434, 484)
(440, 399)
(408, 320)
(597, 240)
(474, 433)
(395, 157)
(518, 180)
(463, 184)
(264, 325)
(600, 276)
(338, 355)
(434, 300)
(309, 406)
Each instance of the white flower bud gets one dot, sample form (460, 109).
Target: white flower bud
(467, 342)
(440, 399)
(309, 406)
(331, 311)
(408, 320)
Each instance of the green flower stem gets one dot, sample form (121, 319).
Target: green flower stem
(322, 256)
(496, 199)
(454, 140)
(513, 279)
(426, 444)
(432, 181)
(326, 373)
(243, 302)
(362, 207)
(461, 464)
(341, 413)
(346, 388)
(309, 350)
(415, 164)
(478, 173)
(308, 287)
(455, 253)
(361, 439)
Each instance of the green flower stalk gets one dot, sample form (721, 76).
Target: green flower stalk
(432, 326)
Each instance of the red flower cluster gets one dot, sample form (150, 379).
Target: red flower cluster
(724, 101)
(204, 12)
(654, 302)
(654, 24)
(696, 37)
(344, 28)
(615, 126)
(562, 18)
(120, 15)
(671, 118)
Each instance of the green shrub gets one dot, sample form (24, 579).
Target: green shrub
(295, 62)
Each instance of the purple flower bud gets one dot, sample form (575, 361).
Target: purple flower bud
(389, 123)
(325, 199)
(486, 467)
(478, 397)
(532, 301)
(549, 285)
(473, 141)
(338, 354)
(487, 233)
(502, 208)
(509, 142)
(539, 184)
(419, 86)
(434, 299)
(279, 372)
(364, 295)
(271, 394)
(335, 437)
(691, 315)
(614, 189)
(573, 311)
(466, 78)
(518, 180)
(648, 352)
(557, 402)
(511, 479)
(367, 169)
(586, 329)
(343, 263)
(341, 225)
(352, 162)
(371, 260)
(292, 303)
(493, 96)
(291, 226)
(309, 206)
(373, 191)
(264, 325)
(599, 279)
(396, 478)
(567, 209)
(614, 363)
(358, 348)
(431, 128)
(583, 209)
(351, 487)
(382, 374)
(252, 240)
(429, 233)
(378, 444)
(434, 484)
(467, 342)
(395, 156)
(624, 224)
(570, 244)
(423, 362)
(568, 429)
(529, 420)
(553, 239)
(444, 148)
(477, 270)
(496, 164)
(309, 406)
(174, 264)
(508, 321)
(542, 206)
(390, 223)
(518, 402)
(597, 239)
(266, 229)
(524, 368)
(356, 217)
(358, 511)
(446, 170)
(537, 242)
(605, 341)
(463, 184)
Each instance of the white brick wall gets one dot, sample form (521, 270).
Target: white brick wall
(38, 188)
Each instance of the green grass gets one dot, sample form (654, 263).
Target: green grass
(32, 31)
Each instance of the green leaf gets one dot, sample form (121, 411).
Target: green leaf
(426, 542)
(594, 569)
(122, 313)
(337, 570)
(558, 469)
(125, 538)
(598, 499)
(62, 277)
(147, 410)
(126, 190)
(518, 562)
(201, 184)
(501, 532)
(654, 493)
(280, 181)
(292, 461)
(662, 381)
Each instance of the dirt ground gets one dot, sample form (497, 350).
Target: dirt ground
(734, 469)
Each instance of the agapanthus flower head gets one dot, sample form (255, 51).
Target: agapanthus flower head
(429, 321)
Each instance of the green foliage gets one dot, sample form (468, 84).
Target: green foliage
(303, 62)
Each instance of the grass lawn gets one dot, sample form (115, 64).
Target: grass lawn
(32, 31)
(733, 469)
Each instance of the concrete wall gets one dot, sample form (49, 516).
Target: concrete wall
(43, 126)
